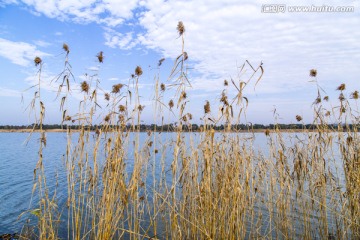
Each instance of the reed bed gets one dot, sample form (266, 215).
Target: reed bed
(196, 185)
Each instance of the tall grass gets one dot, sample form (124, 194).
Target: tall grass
(197, 185)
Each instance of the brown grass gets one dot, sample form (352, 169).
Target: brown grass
(203, 185)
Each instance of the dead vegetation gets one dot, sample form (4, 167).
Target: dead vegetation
(123, 184)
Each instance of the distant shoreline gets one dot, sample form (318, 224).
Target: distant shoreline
(29, 130)
(239, 131)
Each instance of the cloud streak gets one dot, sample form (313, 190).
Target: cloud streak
(85, 11)
(6, 92)
(221, 35)
(115, 39)
(20, 53)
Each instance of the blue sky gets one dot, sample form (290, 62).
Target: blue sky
(219, 37)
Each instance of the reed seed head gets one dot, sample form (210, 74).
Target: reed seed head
(190, 116)
(317, 100)
(121, 118)
(171, 104)
(186, 56)
(180, 28)
(138, 71)
(67, 118)
(207, 107)
(326, 98)
(100, 56)
(140, 107)
(66, 48)
(122, 108)
(162, 87)
(313, 73)
(37, 61)
(267, 132)
(184, 118)
(107, 96)
(341, 87)
(85, 87)
(349, 140)
(226, 83)
(183, 95)
(298, 118)
(341, 97)
(116, 88)
(224, 99)
(327, 113)
(107, 118)
(161, 61)
(355, 95)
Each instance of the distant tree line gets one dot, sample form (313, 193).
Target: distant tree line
(189, 127)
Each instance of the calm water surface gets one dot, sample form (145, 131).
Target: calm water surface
(17, 163)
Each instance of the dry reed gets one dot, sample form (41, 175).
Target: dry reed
(122, 183)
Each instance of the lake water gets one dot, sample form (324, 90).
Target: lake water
(18, 160)
(17, 163)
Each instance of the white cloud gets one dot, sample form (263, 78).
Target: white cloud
(113, 79)
(222, 34)
(6, 92)
(94, 68)
(111, 21)
(85, 11)
(120, 8)
(123, 41)
(19, 53)
(3, 3)
(41, 43)
(83, 77)
(58, 33)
